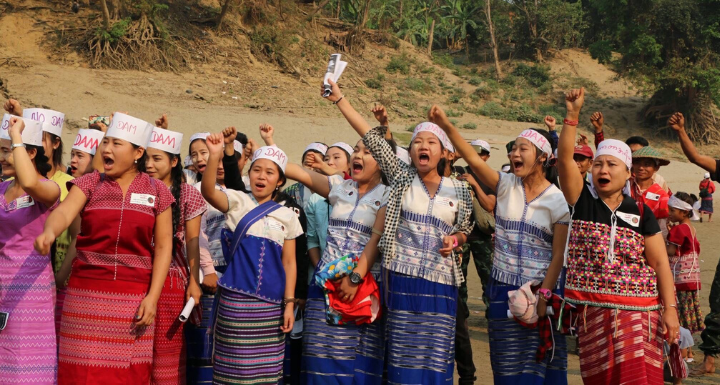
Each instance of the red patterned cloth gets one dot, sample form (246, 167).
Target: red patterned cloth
(364, 308)
(654, 197)
(169, 350)
(685, 264)
(99, 342)
(620, 346)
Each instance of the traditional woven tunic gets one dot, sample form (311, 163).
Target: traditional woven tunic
(355, 353)
(169, 351)
(523, 252)
(422, 286)
(249, 345)
(685, 265)
(619, 325)
(99, 342)
(28, 350)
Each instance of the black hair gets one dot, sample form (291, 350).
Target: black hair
(637, 140)
(687, 198)
(694, 198)
(58, 152)
(42, 163)
(140, 163)
(242, 138)
(343, 150)
(484, 152)
(550, 174)
(177, 176)
(198, 175)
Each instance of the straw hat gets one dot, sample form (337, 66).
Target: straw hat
(649, 152)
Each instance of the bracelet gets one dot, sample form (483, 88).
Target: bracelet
(377, 232)
(338, 101)
(570, 122)
(289, 300)
(17, 145)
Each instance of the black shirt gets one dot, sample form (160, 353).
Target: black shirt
(591, 209)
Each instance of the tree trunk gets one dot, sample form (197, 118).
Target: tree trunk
(364, 17)
(337, 13)
(105, 15)
(430, 37)
(224, 10)
(321, 6)
(493, 42)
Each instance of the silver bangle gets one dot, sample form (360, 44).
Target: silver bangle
(17, 145)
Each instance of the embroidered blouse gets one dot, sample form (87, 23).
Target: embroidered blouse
(116, 237)
(351, 220)
(524, 231)
(416, 223)
(685, 264)
(621, 279)
(277, 226)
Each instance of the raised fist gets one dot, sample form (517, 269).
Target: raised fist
(229, 135)
(13, 107)
(381, 114)
(574, 101)
(550, 122)
(597, 119)
(336, 93)
(677, 122)
(162, 122)
(437, 116)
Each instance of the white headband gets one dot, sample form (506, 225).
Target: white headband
(315, 146)
(272, 153)
(131, 129)
(52, 121)
(616, 148)
(480, 145)
(32, 134)
(348, 148)
(166, 140)
(88, 140)
(676, 203)
(200, 135)
(538, 140)
(237, 146)
(435, 129)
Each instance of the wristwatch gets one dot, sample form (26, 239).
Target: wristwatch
(545, 293)
(355, 278)
(17, 145)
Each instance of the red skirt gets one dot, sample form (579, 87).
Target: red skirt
(99, 342)
(620, 348)
(169, 350)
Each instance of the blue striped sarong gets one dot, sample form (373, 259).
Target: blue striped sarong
(339, 354)
(513, 348)
(420, 330)
(249, 345)
(199, 345)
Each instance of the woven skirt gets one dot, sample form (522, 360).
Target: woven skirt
(620, 346)
(99, 341)
(706, 206)
(513, 347)
(249, 345)
(169, 349)
(420, 330)
(200, 345)
(347, 354)
(691, 317)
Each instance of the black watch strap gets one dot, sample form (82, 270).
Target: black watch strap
(355, 278)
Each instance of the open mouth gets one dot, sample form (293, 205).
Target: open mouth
(517, 165)
(108, 162)
(201, 168)
(603, 182)
(260, 185)
(424, 159)
(357, 168)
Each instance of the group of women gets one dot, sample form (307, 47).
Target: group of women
(380, 226)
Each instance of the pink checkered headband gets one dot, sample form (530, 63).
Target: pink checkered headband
(538, 140)
(616, 148)
(273, 154)
(435, 129)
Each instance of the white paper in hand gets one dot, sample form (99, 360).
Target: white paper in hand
(334, 70)
(187, 310)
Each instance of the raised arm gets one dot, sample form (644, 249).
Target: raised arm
(570, 177)
(13, 107)
(215, 197)
(44, 191)
(356, 120)
(233, 174)
(485, 173)
(316, 182)
(597, 119)
(383, 154)
(60, 219)
(677, 123)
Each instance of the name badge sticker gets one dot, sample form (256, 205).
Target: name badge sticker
(632, 219)
(142, 199)
(24, 202)
(447, 202)
(652, 196)
(275, 225)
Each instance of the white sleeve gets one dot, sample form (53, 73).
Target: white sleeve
(335, 182)
(239, 204)
(294, 229)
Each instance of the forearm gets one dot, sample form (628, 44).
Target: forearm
(161, 265)
(693, 156)
(290, 267)
(558, 257)
(487, 202)
(193, 254)
(353, 117)
(206, 261)
(57, 222)
(485, 173)
(368, 256)
(233, 174)
(314, 254)
(27, 176)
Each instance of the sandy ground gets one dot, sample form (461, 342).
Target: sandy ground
(80, 92)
